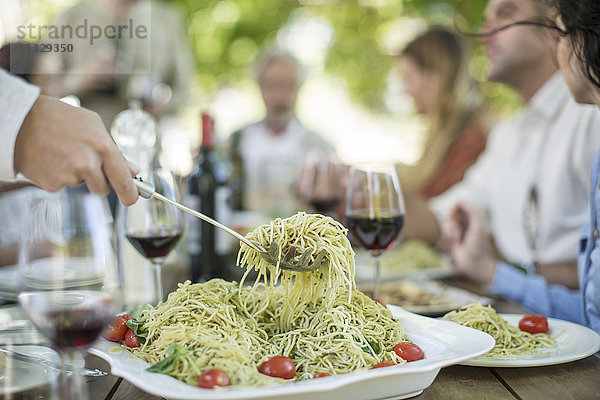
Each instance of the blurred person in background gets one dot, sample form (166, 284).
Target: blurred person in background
(532, 181)
(579, 61)
(268, 156)
(435, 72)
(153, 65)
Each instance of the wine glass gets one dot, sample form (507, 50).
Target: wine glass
(320, 182)
(374, 210)
(70, 279)
(154, 227)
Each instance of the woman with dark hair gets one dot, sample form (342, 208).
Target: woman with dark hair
(578, 55)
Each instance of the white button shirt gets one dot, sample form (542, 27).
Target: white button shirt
(272, 165)
(550, 144)
(16, 99)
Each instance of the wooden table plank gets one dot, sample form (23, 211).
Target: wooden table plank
(99, 387)
(127, 391)
(575, 380)
(461, 382)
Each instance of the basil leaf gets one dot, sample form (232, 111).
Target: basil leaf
(373, 347)
(164, 366)
(138, 328)
(137, 310)
(174, 349)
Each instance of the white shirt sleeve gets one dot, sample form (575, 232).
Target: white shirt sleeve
(16, 99)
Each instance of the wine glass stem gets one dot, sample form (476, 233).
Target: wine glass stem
(70, 384)
(158, 287)
(376, 277)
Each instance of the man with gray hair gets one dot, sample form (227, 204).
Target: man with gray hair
(268, 155)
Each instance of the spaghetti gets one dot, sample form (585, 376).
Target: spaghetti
(316, 318)
(306, 232)
(510, 340)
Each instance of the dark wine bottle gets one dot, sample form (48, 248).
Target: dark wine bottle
(208, 193)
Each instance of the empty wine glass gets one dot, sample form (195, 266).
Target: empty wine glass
(320, 182)
(374, 210)
(70, 281)
(154, 227)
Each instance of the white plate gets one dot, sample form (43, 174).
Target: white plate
(448, 298)
(16, 329)
(9, 282)
(19, 376)
(574, 343)
(443, 342)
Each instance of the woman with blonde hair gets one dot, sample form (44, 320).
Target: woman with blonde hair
(435, 71)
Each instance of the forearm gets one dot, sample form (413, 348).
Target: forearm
(563, 273)
(533, 292)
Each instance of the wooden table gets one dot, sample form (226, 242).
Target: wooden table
(578, 380)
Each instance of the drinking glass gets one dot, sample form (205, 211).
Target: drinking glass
(154, 227)
(374, 210)
(320, 182)
(70, 279)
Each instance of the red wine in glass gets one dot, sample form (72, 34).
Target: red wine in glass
(375, 233)
(155, 243)
(324, 205)
(71, 319)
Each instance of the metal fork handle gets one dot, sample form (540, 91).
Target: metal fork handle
(148, 191)
(48, 363)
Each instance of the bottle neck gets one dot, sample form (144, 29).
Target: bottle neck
(207, 132)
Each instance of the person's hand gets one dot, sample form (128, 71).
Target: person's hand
(61, 145)
(469, 244)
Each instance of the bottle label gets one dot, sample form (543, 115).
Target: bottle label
(223, 240)
(194, 232)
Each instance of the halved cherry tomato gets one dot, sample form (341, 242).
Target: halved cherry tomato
(321, 375)
(279, 367)
(409, 351)
(384, 363)
(117, 329)
(131, 339)
(212, 377)
(534, 324)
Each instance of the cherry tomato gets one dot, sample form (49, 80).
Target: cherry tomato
(385, 363)
(212, 377)
(409, 351)
(279, 367)
(131, 339)
(382, 303)
(534, 324)
(117, 329)
(321, 375)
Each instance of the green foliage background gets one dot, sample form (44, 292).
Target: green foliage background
(227, 36)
